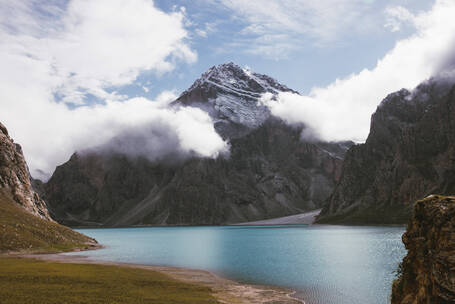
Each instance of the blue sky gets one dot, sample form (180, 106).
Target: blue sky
(77, 72)
(307, 63)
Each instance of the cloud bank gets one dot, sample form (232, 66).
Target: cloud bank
(56, 56)
(152, 129)
(343, 109)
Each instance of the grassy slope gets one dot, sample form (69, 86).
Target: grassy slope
(30, 281)
(22, 231)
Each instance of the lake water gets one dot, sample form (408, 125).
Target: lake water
(325, 264)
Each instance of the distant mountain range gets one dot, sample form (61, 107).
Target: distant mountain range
(271, 170)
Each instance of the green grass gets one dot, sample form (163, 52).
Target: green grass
(30, 281)
(22, 231)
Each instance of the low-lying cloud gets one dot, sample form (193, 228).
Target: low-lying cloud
(54, 54)
(150, 129)
(343, 109)
(155, 131)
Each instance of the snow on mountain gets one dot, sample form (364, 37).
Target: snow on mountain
(230, 95)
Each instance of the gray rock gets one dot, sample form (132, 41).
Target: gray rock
(15, 176)
(409, 154)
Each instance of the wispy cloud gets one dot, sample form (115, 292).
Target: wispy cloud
(397, 16)
(208, 28)
(275, 28)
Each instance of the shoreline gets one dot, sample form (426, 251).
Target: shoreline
(224, 290)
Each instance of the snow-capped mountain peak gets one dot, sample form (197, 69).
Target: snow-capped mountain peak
(230, 94)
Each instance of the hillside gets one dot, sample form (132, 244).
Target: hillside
(25, 224)
(408, 154)
(22, 231)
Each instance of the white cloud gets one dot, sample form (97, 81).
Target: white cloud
(397, 16)
(89, 46)
(51, 132)
(343, 109)
(201, 33)
(208, 28)
(84, 47)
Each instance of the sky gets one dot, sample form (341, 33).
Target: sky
(78, 73)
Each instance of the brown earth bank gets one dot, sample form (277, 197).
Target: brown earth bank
(427, 273)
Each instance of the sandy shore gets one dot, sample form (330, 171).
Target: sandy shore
(306, 218)
(225, 291)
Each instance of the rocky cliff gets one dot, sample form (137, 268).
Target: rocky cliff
(15, 177)
(409, 154)
(427, 273)
(25, 224)
(270, 171)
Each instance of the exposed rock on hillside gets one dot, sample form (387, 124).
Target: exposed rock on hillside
(427, 273)
(25, 224)
(15, 177)
(409, 154)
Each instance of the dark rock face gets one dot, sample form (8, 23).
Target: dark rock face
(427, 273)
(15, 177)
(409, 154)
(270, 172)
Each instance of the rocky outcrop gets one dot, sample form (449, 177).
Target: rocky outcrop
(427, 273)
(15, 177)
(409, 154)
(25, 223)
(270, 172)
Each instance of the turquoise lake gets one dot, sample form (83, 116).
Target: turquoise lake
(324, 264)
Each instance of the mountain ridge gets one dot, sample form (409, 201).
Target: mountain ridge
(271, 171)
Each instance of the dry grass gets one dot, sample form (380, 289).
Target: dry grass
(31, 281)
(22, 231)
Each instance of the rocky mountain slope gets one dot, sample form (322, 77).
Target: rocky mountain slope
(15, 177)
(25, 223)
(427, 274)
(270, 171)
(409, 154)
